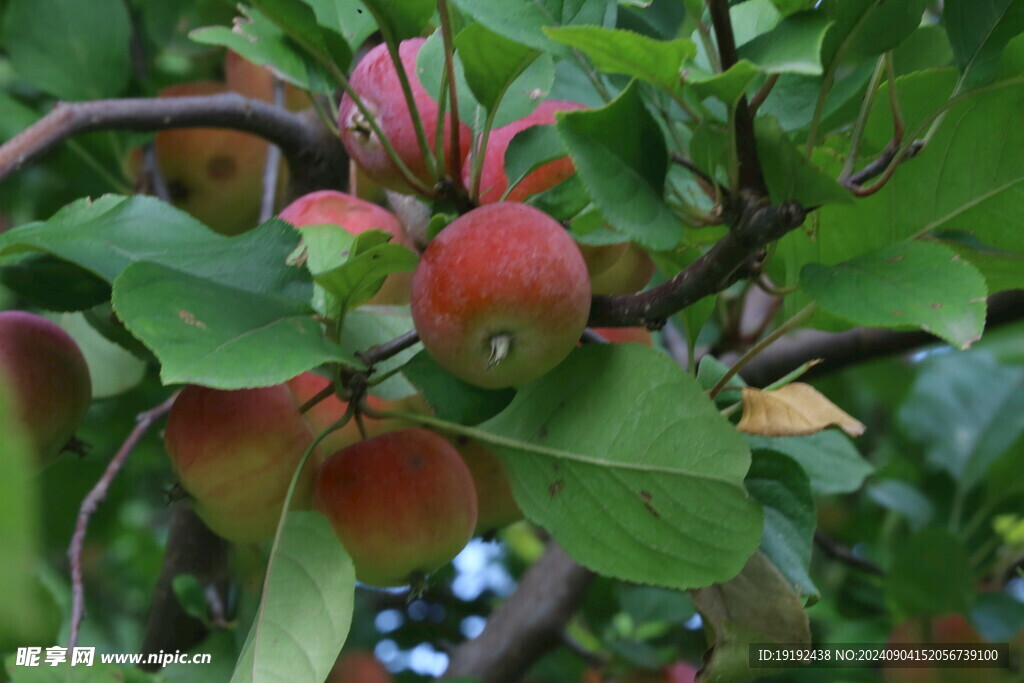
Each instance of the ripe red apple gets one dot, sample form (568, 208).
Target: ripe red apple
(252, 80)
(496, 507)
(401, 503)
(375, 80)
(234, 453)
(48, 381)
(355, 216)
(623, 335)
(214, 174)
(493, 181)
(331, 409)
(358, 666)
(630, 273)
(501, 295)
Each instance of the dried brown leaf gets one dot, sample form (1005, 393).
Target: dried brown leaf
(796, 409)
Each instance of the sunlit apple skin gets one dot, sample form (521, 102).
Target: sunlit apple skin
(47, 377)
(494, 182)
(215, 174)
(252, 80)
(234, 452)
(401, 503)
(630, 273)
(358, 666)
(356, 216)
(330, 410)
(624, 335)
(375, 79)
(496, 507)
(502, 271)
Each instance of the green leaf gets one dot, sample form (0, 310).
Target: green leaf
(54, 284)
(298, 21)
(348, 18)
(491, 62)
(146, 229)
(624, 460)
(658, 62)
(794, 46)
(308, 601)
(74, 50)
(372, 325)
(870, 27)
(401, 18)
(753, 18)
(524, 20)
(829, 458)
(978, 31)
(930, 574)
(757, 606)
(910, 284)
(262, 42)
(217, 335)
(781, 487)
(901, 497)
(1002, 270)
(619, 152)
(789, 174)
(529, 150)
(965, 411)
(351, 268)
(450, 397)
(728, 86)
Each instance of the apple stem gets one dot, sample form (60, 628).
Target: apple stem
(501, 344)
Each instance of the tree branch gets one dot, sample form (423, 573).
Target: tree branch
(316, 158)
(721, 266)
(528, 624)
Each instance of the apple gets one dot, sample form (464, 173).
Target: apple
(252, 80)
(356, 216)
(215, 174)
(623, 335)
(358, 666)
(375, 80)
(48, 380)
(331, 409)
(601, 257)
(493, 181)
(948, 629)
(629, 273)
(496, 507)
(401, 503)
(501, 295)
(234, 452)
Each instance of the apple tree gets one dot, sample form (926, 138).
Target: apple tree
(547, 340)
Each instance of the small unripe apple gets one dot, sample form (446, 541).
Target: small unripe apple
(375, 80)
(234, 453)
(48, 380)
(401, 503)
(358, 666)
(328, 411)
(355, 216)
(601, 257)
(215, 174)
(630, 273)
(496, 507)
(501, 295)
(623, 335)
(493, 181)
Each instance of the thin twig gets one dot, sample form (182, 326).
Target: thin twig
(455, 152)
(376, 354)
(762, 93)
(273, 160)
(92, 501)
(316, 160)
(841, 553)
(687, 163)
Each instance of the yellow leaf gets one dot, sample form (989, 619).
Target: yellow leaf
(796, 409)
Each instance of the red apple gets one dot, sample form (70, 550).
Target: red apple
(501, 295)
(358, 666)
(493, 181)
(49, 386)
(630, 273)
(375, 80)
(401, 503)
(356, 216)
(215, 174)
(234, 453)
(496, 507)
